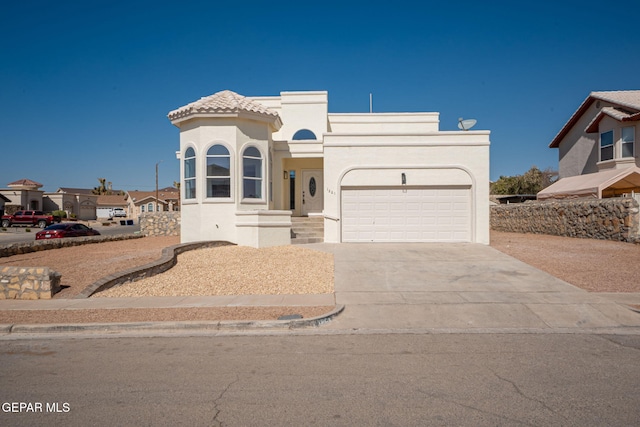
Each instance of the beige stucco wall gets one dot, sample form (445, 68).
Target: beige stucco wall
(213, 218)
(407, 123)
(299, 110)
(352, 149)
(436, 159)
(579, 152)
(24, 198)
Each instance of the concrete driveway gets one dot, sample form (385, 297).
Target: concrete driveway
(465, 287)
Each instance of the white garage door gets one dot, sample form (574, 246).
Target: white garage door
(406, 215)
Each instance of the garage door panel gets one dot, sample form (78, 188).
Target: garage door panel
(406, 215)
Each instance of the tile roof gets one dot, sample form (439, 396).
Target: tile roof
(616, 113)
(624, 98)
(224, 102)
(139, 196)
(71, 190)
(628, 99)
(24, 183)
(111, 200)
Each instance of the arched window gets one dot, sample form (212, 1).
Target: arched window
(149, 207)
(218, 172)
(190, 174)
(304, 134)
(252, 173)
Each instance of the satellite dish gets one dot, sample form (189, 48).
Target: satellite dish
(466, 124)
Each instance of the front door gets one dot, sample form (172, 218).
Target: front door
(312, 192)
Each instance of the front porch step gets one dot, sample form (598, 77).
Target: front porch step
(307, 230)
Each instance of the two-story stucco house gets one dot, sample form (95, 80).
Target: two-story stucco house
(598, 148)
(248, 164)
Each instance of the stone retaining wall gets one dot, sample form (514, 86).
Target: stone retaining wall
(160, 224)
(43, 245)
(28, 282)
(607, 219)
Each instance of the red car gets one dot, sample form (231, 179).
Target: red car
(65, 229)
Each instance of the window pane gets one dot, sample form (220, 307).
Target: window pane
(303, 134)
(627, 149)
(218, 166)
(252, 168)
(190, 189)
(218, 187)
(628, 134)
(606, 139)
(606, 153)
(252, 152)
(252, 189)
(218, 150)
(190, 168)
(189, 153)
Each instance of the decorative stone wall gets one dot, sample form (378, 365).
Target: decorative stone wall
(607, 219)
(160, 224)
(28, 283)
(42, 245)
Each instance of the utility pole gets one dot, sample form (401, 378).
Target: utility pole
(157, 185)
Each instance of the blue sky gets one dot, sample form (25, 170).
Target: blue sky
(87, 85)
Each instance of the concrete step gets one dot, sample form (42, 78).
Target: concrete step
(307, 230)
(304, 240)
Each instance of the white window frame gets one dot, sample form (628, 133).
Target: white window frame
(190, 179)
(230, 156)
(631, 142)
(260, 179)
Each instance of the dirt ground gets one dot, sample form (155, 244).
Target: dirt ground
(593, 265)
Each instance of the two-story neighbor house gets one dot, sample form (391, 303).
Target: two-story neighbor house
(598, 148)
(250, 163)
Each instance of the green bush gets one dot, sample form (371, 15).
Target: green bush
(61, 214)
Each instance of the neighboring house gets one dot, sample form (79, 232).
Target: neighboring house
(106, 203)
(140, 202)
(598, 148)
(249, 164)
(3, 200)
(78, 203)
(23, 194)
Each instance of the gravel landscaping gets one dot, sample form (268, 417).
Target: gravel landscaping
(238, 270)
(594, 265)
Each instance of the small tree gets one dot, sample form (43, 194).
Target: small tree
(533, 181)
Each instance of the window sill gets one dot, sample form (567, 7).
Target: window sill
(219, 200)
(615, 163)
(253, 201)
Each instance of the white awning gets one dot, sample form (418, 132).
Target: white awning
(608, 183)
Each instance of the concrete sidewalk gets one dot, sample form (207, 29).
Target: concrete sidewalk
(171, 302)
(406, 288)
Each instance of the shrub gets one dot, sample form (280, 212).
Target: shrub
(59, 213)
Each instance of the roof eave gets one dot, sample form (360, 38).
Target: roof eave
(555, 143)
(273, 120)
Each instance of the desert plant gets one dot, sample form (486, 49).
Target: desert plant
(59, 213)
(531, 182)
(27, 230)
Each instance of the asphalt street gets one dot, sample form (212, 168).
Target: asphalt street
(20, 234)
(371, 379)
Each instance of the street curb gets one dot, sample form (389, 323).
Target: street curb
(227, 325)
